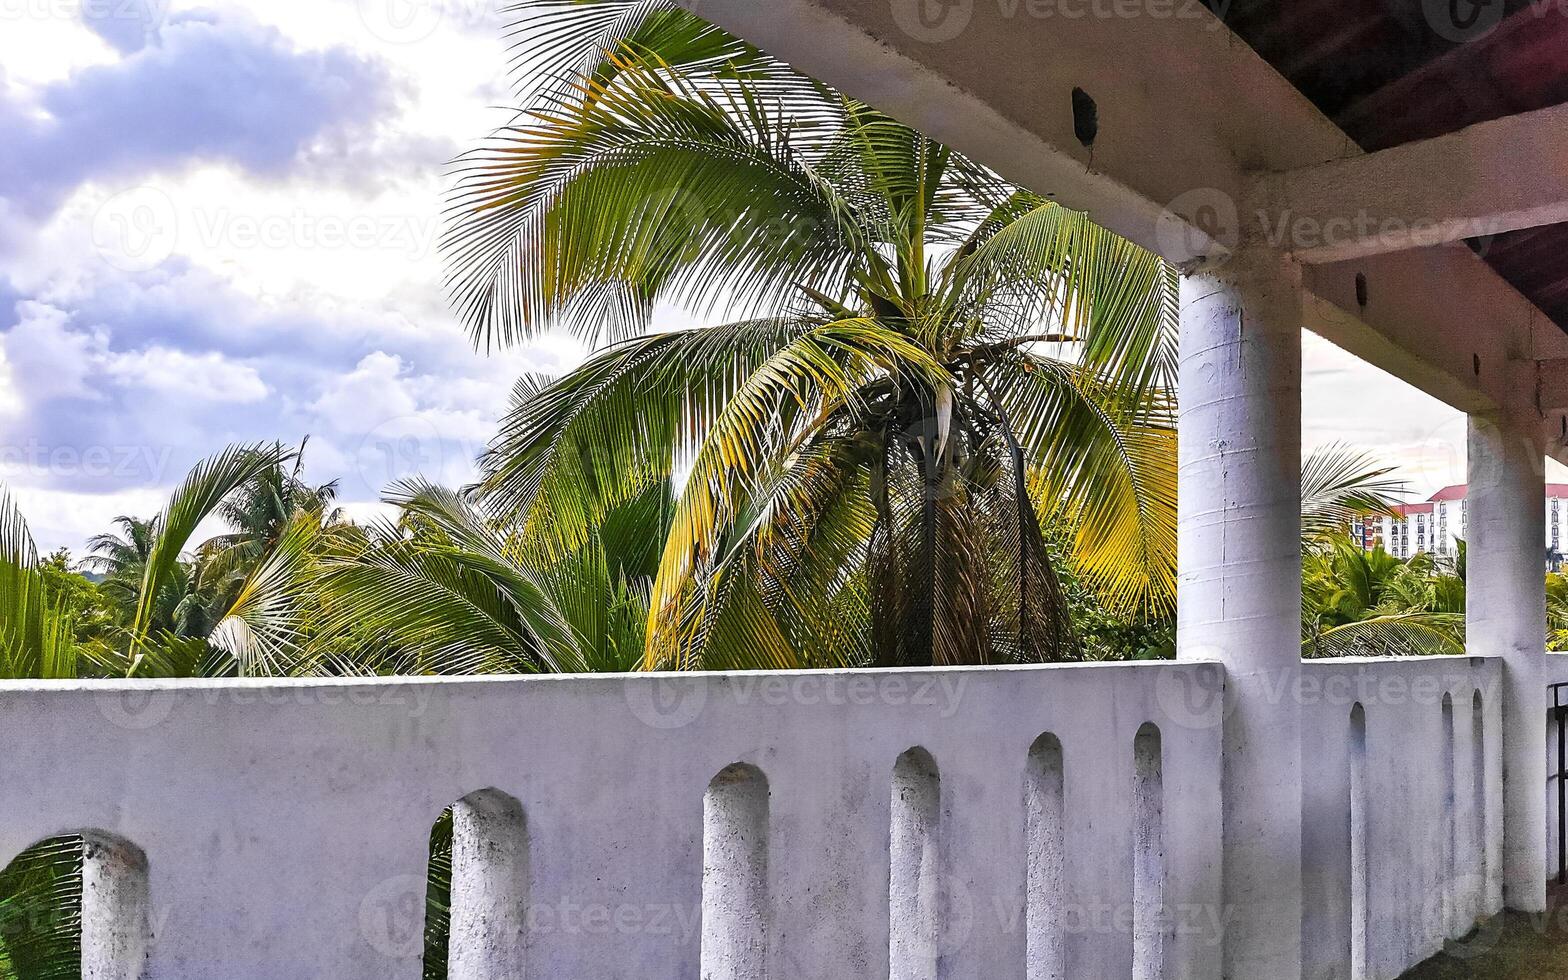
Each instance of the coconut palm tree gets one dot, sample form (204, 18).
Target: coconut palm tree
(450, 589)
(1368, 603)
(260, 511)
(37, 636)
(927, 364)
(122, 557)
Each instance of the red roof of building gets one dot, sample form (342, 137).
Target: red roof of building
(1458, 492)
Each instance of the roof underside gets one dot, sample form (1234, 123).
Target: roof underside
(1379, 70)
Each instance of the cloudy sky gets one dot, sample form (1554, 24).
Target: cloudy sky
(218, 224)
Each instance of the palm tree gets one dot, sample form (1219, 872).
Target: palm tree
(122, 558)
(450, 589)
(261, 510)
(37, 636)
(1368, 603)
(929, 365)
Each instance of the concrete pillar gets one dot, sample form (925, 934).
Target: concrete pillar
(1240, 581)
(1506, 617)
(116, 934)
(489, 924)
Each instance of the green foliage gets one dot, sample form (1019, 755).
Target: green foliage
(94, 614)
(40, 912)
(1369, 603)
(1340, 484)
(37, 628)
(438, 898)
(929, 359)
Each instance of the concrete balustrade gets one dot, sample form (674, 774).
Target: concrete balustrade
(1401, 810)
(1038, 823)
(734, 826)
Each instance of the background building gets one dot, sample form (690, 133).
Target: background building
(1438, 525)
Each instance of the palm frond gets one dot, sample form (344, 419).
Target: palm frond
(816, 375)
(453, 593)
(650, 188)
(1339, 484)
(1400, 634)
(197, 498)
(264, 629)
(573, 449)
(1102, 468)
(37, 636)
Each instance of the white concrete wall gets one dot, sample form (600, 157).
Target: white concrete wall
(1431, 871)
(285, 826)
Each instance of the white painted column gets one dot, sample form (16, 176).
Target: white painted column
(116, 934)
(489, 925)
(1240, 581)
(1506, 617)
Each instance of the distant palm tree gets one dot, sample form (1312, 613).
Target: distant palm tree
(450, 589)
(1357, 602)
(122, 558)
(931, 361)
(260, 511)
(1368, 603)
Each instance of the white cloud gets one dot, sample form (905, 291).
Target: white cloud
(1346, 400)
(372, 394)
(57, 519)
(46, 358)
(207, 377)
(10, 395)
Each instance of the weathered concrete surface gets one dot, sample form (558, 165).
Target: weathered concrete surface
(115, 909)
(1189, 117)
(285, 825)
(489, 901)
(1429, 192)
(1423, 859)
(1239, 573)
(1505, 613)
